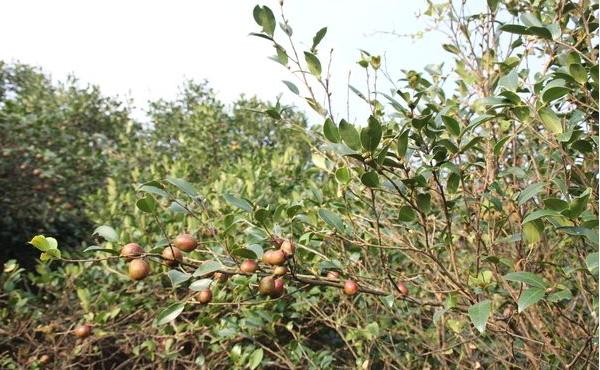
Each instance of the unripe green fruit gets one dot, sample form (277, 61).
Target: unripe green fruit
(350, 287)
(138, 269)
(274, 258)
(204, 296)
(266, 285)
(248, 266)
(185, 242)
(172, 256)
(83, 331)
(131, 251)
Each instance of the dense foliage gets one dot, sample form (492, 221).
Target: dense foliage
(456, 227)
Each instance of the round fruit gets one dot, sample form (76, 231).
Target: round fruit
(275, 258)
(288, 248)
(402, 288)
(83, 331)
(172, 256)
(131, 250)
(248, 266)
(185, 242)
(280, 270)
(278, 289)
(138, 269)
(204, 296)
(266, 285)
(333, 275)
(350, 287)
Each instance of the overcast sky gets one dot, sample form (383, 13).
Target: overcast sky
(145, 49)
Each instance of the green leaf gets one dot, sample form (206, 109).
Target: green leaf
(479, 314)
(529, 192)
(530, 20)
(370, 179)
(313, 63)
(200, 285)
(532, 231)
(342, 175)
(177, 277)
(207, 267)
(424, 202)
(349, 135)
(40, 242)
(550, 120)
(561, 295)
(529, 297)
(238, 202)
(317, 39)
(407, 214)
(244, 253)
(452, 125)
(154, 190)
(293, 88)
(510, 81)
(107, 232)
(282, 56)
(578, 72)
(451, 48)
(500, 144)
(370, 136)
(402, 144)
(146, 204)
(255, 358)
(592, 262)
(183, 185)
(539, 214)
(264, 17)
(528, 278)
(169, 314)
(332, 219)
(554, 92)
(331, 131)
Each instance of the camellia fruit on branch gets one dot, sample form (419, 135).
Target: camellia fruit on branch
(172, 256)
(139, 269)
(185, 242)
(131, 251)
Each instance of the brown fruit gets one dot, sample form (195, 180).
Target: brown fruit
(274, 257)
(402, 288)
(288, 248)
(278, 289)
(44, 359)
(83, 331)
(248, 266)
(333, 275)
(204, 296)
(185, 242)
(131, 250)
(350, 287)
(266, 285)
(220, 277)
(280, 270)
(138, 269)
(172, 256)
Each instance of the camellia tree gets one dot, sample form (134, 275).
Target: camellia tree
(456, 227)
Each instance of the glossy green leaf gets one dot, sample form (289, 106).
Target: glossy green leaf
(169, 314)
(313, 63)
(107, 232)
(207, 267)
(331, 132)
(370, 136)
(177, 277)
(530, 297)
(146, 204)
(528, 278)
(370, 179)
(550, 120)
(349, 135)
(332, 219)
(238, 202)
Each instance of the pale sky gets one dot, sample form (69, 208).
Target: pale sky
(145, 49)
